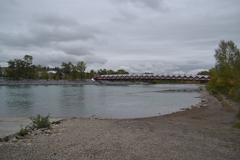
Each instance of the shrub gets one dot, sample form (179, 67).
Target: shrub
(237, 125)
(238, 115)
(23, 132)
(41, 122)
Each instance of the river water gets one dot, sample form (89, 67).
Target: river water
(101, 101)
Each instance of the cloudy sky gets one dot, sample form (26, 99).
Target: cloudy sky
(158, 36)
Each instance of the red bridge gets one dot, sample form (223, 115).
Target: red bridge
(152, 77)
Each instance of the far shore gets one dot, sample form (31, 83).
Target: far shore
(47, 82)
(204, 132)
(79, 82)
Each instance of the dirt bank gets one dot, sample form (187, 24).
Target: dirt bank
(200, 133)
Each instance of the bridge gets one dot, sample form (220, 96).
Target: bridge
(152, 77)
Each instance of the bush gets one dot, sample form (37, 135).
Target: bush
(237, 125)
(238, 115)
(23, 132)
(41, 122)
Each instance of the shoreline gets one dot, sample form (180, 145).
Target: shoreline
(17, 122)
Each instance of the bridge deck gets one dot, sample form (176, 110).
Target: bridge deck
(139, 77)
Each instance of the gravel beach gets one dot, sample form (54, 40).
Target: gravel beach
(204, 133)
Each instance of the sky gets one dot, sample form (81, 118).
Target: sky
(159, 36)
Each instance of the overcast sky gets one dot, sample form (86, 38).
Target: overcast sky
(159, 36)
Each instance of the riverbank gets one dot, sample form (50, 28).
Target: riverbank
(46, 82)
(66, 82)
(197, 133)
(82, 82)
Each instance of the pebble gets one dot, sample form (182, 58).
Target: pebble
(204, 105)
(14, 139)
(47, 131)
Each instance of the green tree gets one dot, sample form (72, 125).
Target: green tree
(67, 69)
(102, 71)
(21, 68)
(225, 76)
(108, 72)
(92, 73)
(29, 68)
(203, 73)
(81, 67)
(15, 69)
(74, 73)
(1, 72)
(28, 59)
(121, 71)
(59, 74)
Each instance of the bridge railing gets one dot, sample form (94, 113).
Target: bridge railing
(152, 77)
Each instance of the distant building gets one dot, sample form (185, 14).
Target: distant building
(52, 72)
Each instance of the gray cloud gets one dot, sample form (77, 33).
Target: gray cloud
(138, 35)
(48, 30)
(77, 51)
(42, 37)
(6, 5)
(95, 60)
(56, 21)
(153, 4)
(161, 67)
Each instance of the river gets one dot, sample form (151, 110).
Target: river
(132, 101)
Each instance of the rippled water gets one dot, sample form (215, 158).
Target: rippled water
(101, 101)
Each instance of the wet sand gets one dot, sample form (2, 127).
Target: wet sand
(200, 133)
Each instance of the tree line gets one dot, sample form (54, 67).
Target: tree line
(19, 69)
(225, 75)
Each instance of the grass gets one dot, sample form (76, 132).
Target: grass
(37, 122)
(41, 121)
(23, 132)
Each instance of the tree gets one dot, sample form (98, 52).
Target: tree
(92, 73)
(225, 76)
(28, 68)
(28, 59)
(67, 69)
(59, 74)
(102, 71)
(203, 73)
(16, 69)
(121, 71)
(109, 72)
(81, 67)
(74, 73)
(21, 68)
(1, 71)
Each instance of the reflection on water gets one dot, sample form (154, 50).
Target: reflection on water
(101, 101)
